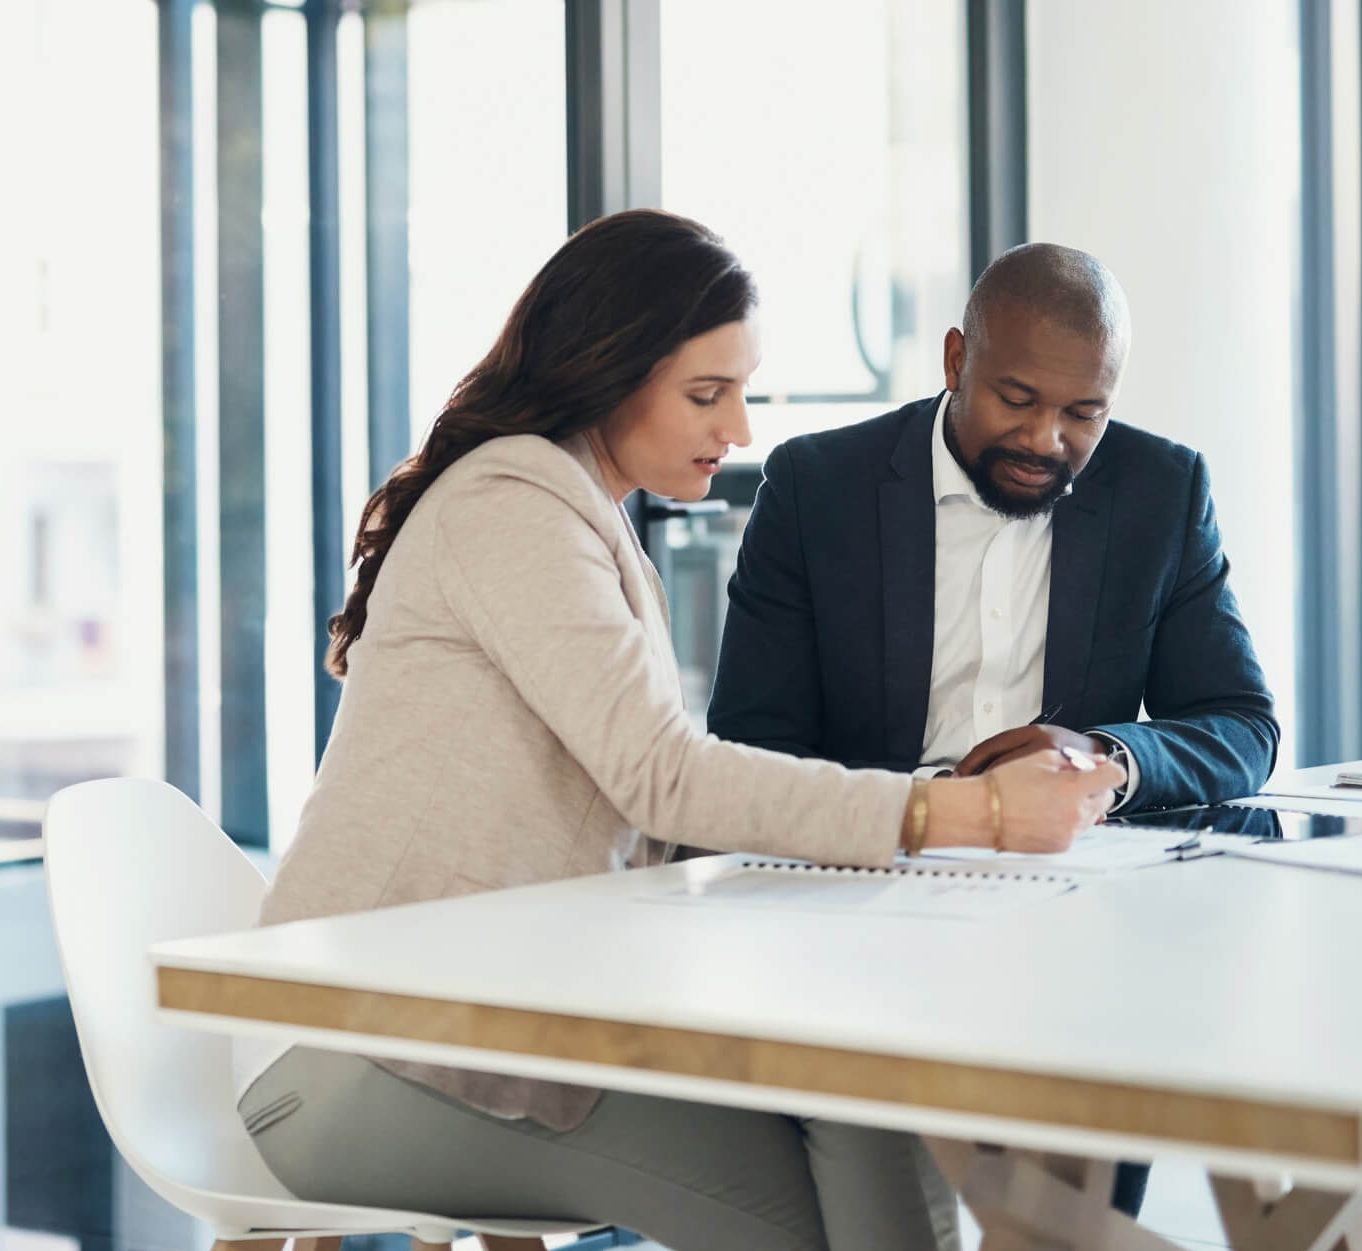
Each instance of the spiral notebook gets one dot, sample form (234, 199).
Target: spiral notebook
(927, 890)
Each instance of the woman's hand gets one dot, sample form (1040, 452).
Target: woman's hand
(1046, 801)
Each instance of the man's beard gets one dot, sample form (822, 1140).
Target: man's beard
(1017, 507)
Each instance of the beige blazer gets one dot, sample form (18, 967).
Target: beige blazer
(513, 715)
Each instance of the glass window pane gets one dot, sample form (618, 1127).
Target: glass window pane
(488, 177)
(288, 409)
(487, 204)
(836, 169)
(1213, 278)
(80, 622)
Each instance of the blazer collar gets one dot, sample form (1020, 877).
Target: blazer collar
(908, 560)
(1078, 561)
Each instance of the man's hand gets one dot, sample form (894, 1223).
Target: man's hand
(1025, 740)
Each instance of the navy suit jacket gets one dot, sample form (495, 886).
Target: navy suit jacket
(827, 647)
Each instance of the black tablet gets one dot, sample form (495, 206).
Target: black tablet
(1251, 822)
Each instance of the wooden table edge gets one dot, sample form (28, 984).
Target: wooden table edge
(1210, 1120)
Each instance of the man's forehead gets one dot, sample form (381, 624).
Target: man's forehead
(1030, 342)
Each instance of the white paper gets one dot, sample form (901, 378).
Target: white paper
(1316, 782)
(1341, 855)
(937, 891)
(1101, 849)
(1301, 790)
(1330, 807)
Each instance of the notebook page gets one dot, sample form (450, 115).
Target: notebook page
(1341, 855)
(943, 890)
(1101, 849)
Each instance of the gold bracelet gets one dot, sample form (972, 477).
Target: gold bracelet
(995, 810)
(917, 818)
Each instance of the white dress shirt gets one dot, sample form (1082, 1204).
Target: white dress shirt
(992, 605)
(992, 611)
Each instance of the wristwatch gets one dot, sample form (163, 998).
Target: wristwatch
(1115, 751)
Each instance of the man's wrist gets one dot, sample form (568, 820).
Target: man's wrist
(1117, 750)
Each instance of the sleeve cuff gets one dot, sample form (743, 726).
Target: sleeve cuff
(1127, 792)
(925, 773)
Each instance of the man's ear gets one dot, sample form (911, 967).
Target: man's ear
(953, 358)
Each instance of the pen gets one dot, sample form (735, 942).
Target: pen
(1079, 759)
(1193, 848)
(1047, 716)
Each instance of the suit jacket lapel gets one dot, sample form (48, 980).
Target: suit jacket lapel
(908, 570)
(1078, 559)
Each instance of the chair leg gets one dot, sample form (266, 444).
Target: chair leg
(317, 1244)
(250, 1244)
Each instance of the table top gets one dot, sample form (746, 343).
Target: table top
(1211, 1006)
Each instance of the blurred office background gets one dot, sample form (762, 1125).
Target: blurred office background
(247, 248)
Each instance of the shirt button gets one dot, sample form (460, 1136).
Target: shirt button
(996, 614)
(988, 707)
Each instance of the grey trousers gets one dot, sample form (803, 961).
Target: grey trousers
(693, 1177)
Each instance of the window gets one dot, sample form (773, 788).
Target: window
(80, 474)
(1213, 277)
(832, 158)
(488, 178)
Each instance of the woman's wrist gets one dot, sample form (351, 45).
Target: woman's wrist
(960, 813)
(916, 814)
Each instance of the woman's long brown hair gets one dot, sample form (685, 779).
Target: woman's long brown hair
(614, 300)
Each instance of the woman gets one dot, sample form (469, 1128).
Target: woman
(512, 714)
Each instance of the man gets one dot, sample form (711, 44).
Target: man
(999, 570)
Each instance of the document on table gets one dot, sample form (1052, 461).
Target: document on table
(1101, 849)
(1329, 805)
(1329, 783)
(1341, 855)
(936, 890)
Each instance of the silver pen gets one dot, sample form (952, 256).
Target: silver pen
(1079, 759)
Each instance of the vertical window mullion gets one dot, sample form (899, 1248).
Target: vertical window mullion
(996, 37)
(241, 428)
(387, 192)
(614, 107)
(1317, 647)
(180, 479)
(328, 540)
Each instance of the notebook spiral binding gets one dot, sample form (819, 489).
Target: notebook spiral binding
(906, 870)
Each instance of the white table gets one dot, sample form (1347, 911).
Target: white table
(1311, 790)
(1209, 1010)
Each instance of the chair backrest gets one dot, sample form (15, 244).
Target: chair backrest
(131, 862)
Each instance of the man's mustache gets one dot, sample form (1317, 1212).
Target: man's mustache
(994, 455)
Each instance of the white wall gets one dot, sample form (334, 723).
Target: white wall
(1164, 138)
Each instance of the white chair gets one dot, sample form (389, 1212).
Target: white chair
(132, 862)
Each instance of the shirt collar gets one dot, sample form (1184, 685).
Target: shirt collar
(948, 479)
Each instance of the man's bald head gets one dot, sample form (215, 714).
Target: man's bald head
(1033, 374)
(1063, 286)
